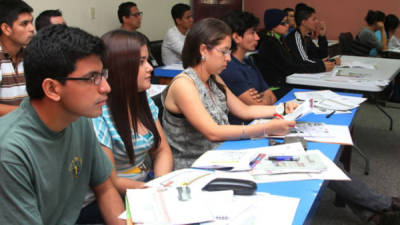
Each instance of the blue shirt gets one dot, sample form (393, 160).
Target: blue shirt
(240, 77)
(108, 136)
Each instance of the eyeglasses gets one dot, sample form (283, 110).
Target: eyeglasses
(94, 77)
(283, 23)
(137, 14)
(226, 52)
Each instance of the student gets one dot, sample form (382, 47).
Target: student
(290, 16)
(197, 101)
(172, 45)
(375, 21)
(16, 31)
(241, 75)
(300, 43)
(131, 19)
(140, 144)
(49, 153)
(49, 17)
(273, 59)
(391, 25)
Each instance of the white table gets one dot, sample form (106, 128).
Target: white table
(364, 80)
(360, 79)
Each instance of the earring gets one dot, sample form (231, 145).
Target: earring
(203, 58)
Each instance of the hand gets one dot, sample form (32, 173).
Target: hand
(279, 127)
(322, 28)
(380, 25)
(329, 66)
(338, 61)
(256, 95)
(290, 106)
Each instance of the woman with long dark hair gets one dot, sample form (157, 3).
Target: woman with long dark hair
(129, 130)
(197, 101)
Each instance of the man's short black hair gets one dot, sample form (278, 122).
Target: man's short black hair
(287, 10)
(239, 22)
(302, 12)
(391, 22)
(124, 9)
(178, 10)
(11, 9)
(43, 20)
(54, 52)
(374, 16)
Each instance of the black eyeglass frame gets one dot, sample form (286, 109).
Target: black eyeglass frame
(94, 77)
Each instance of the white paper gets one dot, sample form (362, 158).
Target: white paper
(302, 110)
(260, 209)
(155, 206)
(156, 89)
(340, 135)
(240, 159)
(333, 172)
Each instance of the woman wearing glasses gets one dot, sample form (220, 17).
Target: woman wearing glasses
(129, 129)
(197, 101)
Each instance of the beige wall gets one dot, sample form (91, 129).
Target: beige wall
(156, 19)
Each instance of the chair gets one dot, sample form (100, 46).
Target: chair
(155, 49)
(157, 101)
(350, 46)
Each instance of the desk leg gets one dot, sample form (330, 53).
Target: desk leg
(388, 116)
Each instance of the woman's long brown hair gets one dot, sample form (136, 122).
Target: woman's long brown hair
(122, 59)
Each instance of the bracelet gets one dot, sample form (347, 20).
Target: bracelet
(243, 135)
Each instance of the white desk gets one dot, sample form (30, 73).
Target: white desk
(370, 80)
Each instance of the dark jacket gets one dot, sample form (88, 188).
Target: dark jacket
(275, 63)
(303, 48)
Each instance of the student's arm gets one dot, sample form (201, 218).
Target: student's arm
(120, 183)
(183, 97)
(4, 109)
(110, 202)
(162, 156)
(17, 196)
(253, 97)
(383, 36)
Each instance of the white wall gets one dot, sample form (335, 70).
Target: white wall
(155, 22)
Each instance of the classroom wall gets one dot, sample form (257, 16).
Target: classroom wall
(155, 22)
(339, 15)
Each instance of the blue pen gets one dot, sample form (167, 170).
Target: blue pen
(283, 158)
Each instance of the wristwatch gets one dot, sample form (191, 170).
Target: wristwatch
(280, 109)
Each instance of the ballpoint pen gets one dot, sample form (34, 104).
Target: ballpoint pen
(284, 158)
(330, 114)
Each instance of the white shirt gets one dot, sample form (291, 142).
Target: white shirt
(393, 42)
(172, 46)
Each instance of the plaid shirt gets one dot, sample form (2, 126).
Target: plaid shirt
(12, 79)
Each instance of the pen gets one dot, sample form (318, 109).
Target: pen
(330, 114)
(283, 158)
(255, 161)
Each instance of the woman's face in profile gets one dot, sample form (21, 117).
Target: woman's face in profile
(219, 56)
(144, 73)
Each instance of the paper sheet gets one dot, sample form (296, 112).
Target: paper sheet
(333, 172)
(340, 135)
(156, 89)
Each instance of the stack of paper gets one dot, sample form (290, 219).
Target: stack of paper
(326, 101)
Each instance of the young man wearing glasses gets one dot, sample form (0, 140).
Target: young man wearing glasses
(241, 75)
(49, 153)
(16, 31)
(131, 19)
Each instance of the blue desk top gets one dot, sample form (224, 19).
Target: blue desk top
(309, 191)
(162, 72)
